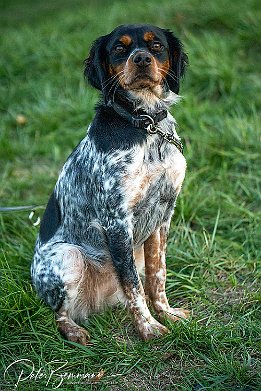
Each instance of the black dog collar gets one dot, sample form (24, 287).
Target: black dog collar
(148, 122)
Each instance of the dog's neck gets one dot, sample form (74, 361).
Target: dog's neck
(146, 100)
(143, 113)
(152, 102)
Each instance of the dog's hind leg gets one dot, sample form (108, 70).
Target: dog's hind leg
(73, 285)
(74, 306)
(58, 271)
(70, 330)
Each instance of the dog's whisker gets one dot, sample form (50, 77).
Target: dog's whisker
(113, 88)
(173, 76)
(110, 80)
(115, 82)
(117, 86)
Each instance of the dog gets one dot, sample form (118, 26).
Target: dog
(109, 214)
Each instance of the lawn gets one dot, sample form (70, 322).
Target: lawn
(214, 248)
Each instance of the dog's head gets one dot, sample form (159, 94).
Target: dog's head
(136, 57)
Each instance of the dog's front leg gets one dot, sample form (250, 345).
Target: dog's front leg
(155, 275)
(121, 250)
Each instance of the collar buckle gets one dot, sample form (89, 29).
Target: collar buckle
(149, 124)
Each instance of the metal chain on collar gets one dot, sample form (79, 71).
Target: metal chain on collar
(153, 128)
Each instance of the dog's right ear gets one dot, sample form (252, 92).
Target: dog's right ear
(95, 64)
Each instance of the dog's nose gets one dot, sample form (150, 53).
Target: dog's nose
(142, 59)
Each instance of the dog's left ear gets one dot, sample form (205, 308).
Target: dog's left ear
(178, 62)
(95, 64)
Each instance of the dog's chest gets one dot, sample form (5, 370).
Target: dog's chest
(152, 184)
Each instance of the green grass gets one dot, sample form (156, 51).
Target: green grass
(214, 246)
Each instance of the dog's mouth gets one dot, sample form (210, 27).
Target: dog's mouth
(139, 79)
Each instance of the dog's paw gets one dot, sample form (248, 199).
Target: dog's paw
(175, 314)
(74, 333)
(149, 329)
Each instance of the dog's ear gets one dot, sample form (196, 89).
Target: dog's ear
(178, 62)
(95, 64)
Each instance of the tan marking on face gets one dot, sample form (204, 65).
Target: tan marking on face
(163, 67)
(149, 36)
(137, 78)
(134, 79)
(126, 40)
(111, 70)
(116, 70)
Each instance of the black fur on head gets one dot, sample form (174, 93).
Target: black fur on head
(97, 64)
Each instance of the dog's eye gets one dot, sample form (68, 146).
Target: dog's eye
(157, 46)
(119, 49)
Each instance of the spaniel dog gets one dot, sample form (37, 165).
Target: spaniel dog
(108, 217)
